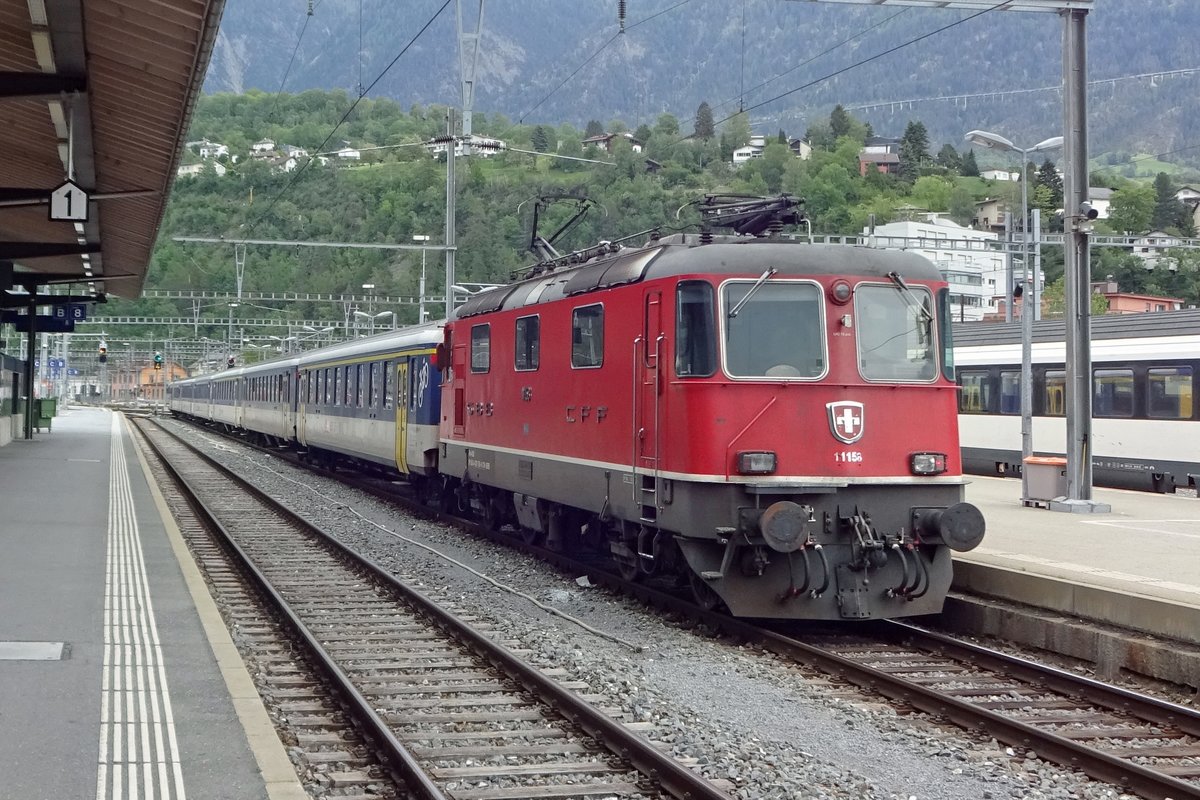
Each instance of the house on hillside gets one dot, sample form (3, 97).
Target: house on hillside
(1190, 197)
(1101, 199)
(999, 175)
(191, 170)
(1151, 247)
(262, 148)
(800, 148)
(293, 151)
(879, 154)
(347, 152)
(1128, 303)
(206, 149)
(752, 149)
(284, 164)
(604, 141)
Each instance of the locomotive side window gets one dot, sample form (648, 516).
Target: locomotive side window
(528, 343)
(481, 348)
(1112, 393)
(895, 333)
(946, 340)
(975, 395)
(777, 332)
(1169, 393)
(695, 333)
(1010, 392)
(587, 336)
(1056, 393)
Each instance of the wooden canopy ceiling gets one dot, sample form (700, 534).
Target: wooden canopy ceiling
(105, 87)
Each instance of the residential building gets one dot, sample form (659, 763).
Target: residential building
(752, 149)
(1101, 199)
(1151, 247)
(879, 145)
(293, 151)
(206, 149)
(801, 149)
(604, 141)
(188, 170)
(348, 153)
(977, 274)
(999, 175)
(284, 164)
(1128, 303)
(262, 147)
(1190, 197)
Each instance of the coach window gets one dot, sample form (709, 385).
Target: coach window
(348, 386)
(1010, 392)
(481, 348)
(373, 385)
(695, 331)
(387, 385)
(895, 333)
(359, 386)
(975, 395)
(528, 342)
(1112, 393)
(777, 331)
(334, 397)
(1170, 393)
(1056, 393)
(587, 336)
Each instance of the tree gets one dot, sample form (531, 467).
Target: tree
(666, 125)
(1047, 176)
(1054, 299)
(1168, 212)
(840, 121)
(705, 128)
(540, 139)
(932, 193)
(782, 137)
(1132, 209)
(594, 128)
(948, 157)
(914, 150)
(969, 169)
(738, 128)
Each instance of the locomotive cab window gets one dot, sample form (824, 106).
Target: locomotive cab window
(777, 331)
(587, 336)
(895, 333)
(481, 348)
(695, 331)
(528, 342)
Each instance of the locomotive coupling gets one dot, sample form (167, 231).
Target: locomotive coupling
(960, 527)
(785, 525)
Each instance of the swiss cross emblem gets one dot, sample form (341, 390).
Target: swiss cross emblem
(846, 420)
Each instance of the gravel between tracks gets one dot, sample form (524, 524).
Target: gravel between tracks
(773, 730)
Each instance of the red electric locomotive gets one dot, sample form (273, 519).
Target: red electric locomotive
(770, 420)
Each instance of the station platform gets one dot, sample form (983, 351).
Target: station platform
(117, 676)
(1137, 567)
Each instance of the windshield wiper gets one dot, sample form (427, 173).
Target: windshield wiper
(733, 312)
(895, 278)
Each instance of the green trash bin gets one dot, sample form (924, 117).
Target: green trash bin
(44, 408)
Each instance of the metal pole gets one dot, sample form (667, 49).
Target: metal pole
(1078, 271)
(1028, 296)
(450, 238)
(1037, 267)
(421, 292)
(1008, 267)
(30, 354)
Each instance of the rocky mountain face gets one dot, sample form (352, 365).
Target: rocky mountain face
(772, 57)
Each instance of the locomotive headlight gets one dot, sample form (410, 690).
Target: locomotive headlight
(756, 462)
(927, 463)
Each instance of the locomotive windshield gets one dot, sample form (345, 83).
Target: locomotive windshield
(895, 333)
(777, 332)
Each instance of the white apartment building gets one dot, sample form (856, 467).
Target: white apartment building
(976, 273)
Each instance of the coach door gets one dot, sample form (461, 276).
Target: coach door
(403, 401)
(648, 351)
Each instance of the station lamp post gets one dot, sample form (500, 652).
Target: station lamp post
(1031, 294)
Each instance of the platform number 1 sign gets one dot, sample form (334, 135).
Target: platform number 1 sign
(69, 203)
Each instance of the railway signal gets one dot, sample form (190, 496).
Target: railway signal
(103, 355)
(158, 360)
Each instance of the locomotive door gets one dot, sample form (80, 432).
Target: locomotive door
(648, 350)
(402, 403)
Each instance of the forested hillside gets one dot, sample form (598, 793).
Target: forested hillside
(397, 190)
(672, 55)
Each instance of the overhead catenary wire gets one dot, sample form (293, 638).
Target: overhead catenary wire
(300, 170)
(870, 59)
(593, 56)
(288, 71)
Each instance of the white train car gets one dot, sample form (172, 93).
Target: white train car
(1146, 417)
(268, 402)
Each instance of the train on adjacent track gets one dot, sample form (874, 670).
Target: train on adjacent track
(1145, 398)
(769, 421)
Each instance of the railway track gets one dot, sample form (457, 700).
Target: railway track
(1145, 746)
(453, 713)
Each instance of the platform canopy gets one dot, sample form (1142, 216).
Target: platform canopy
(100, 91)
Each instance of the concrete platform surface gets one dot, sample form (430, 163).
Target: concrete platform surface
(1138, 566)
(109, 686)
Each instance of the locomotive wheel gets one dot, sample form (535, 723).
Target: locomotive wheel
(627, 567)
(531, 537)
(704, 595)
(492, 517)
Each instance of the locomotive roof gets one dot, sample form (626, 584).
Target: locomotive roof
(1104, 326)
(684, 254)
